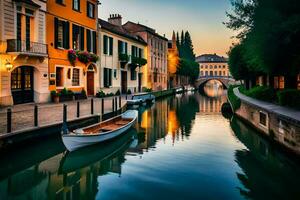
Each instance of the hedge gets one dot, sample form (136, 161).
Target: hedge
(289, 98)
(234, 100)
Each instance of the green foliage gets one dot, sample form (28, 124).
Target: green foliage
(270, 35)
(146, 89)
(237, 64)
(83, 92)
(263, 93)
(290, 98)
(138, 61)
(100, 94)
(118, 93)
(129, 91)
(234, 100)
(123, 58)
(83, 56)
(187, 65)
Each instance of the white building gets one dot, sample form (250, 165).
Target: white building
(119, 52)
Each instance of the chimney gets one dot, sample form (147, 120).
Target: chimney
(115, 19)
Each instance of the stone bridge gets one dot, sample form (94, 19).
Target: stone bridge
(225, 80)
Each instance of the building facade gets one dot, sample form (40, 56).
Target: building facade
(213, 65)
(23, 52)
(155, 73)
(72, 30)
(119, 50)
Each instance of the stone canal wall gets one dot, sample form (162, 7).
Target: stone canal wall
(280, 124)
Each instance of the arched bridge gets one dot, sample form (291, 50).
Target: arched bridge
(225, 80)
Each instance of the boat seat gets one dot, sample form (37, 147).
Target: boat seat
(122, 123)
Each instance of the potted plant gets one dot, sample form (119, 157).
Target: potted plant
(66, 95)
(100, 94)
(55, 96)
(72, 57)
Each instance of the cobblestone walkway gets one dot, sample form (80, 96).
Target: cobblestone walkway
(50, 113)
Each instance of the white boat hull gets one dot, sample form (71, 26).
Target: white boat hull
(73, 142)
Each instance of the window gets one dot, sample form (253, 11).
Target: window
(107, 77)
(76, 5)
(216, 73)
(210, 67)
(134, 51)
(16, 80)
(91, 41)
(59, 76)
(90, 10)
(108, 45)
(262, 118)
(78, 37)
(61, 33)
(75, 77)
(133, 75)
(220, 73)
(122, 47)
(216, 67)
(60, 2)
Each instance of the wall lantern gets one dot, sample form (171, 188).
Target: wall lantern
(8, 66)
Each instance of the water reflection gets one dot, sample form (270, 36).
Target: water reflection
(267, 172)
(181, 148)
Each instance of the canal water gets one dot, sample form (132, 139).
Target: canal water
(181, 148)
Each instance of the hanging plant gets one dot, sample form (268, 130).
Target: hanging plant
(94, 58)
(72, 57)
(83, 57)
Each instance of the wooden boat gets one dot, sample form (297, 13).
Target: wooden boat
(144, 97)
(76, 160)
(100, 132)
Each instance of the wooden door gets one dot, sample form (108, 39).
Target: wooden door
(90, 83)
(124, 82)
(22, 85)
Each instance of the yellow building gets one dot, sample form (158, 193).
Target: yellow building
(213, 65)
(72, 25)
(23, 52)
(119, 50)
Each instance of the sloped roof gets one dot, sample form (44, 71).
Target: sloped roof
(120, 30)
(211, 58)
(136, 27)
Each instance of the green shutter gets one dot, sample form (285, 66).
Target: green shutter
(120, 49)
(111, 46)
(126, 48)
(94, 42)
(66, 41)
(105, 40)
(55, 32)
(88, 40)
(81, 38)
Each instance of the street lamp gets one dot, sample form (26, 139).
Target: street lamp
(8, 66)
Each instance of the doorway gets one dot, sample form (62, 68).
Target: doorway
(90, 83)
(22, 85)
(124, 82)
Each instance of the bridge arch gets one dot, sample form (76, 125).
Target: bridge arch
(225, 81)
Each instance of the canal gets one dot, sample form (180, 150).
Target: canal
(181, 148)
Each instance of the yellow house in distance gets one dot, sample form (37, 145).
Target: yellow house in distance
(212, 65)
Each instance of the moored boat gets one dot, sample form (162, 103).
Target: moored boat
(100, 132)
(144, 97)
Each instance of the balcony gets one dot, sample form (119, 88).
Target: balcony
(26, 47)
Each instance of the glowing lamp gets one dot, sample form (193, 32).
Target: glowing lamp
(8, 66)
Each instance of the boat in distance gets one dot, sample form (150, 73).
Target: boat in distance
(100, 132)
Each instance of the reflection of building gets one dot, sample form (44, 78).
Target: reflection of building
(72, 26)
(155, 73)
(118, 50)
(23, 52)
(213, 65)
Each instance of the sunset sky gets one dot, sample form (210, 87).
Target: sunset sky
(202, 18)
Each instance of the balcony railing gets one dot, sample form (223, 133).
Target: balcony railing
(26, 47)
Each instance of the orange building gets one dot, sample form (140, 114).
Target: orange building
(72, 25)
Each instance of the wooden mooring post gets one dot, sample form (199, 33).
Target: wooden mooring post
(36, 117)
(64, 128)
(78, 109)
(8, 120)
